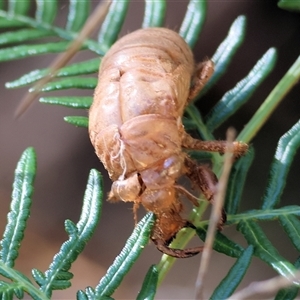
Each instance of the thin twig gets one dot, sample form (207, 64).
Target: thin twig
(267, 286)
(61, 60)
(215, 216)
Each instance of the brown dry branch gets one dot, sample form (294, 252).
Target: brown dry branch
(215, 215)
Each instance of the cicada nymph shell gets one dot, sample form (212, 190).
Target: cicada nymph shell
(135, 124)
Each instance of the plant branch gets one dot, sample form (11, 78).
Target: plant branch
(273, 100)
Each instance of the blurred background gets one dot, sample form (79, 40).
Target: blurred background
(65, 155)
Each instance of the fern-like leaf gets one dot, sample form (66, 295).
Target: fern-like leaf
(124, 261)
(77, 121)
(27, 50)
(38, 276)
(19, 284)
(78, 14)
(193, 21)
(289, 5)
(242, 92)
(225, 52)
(67, 83)
(58, 275)
(20, 207)
(291, 225)
(222, 243)
(74, 102)
(264, 249)
(236, 182)
(154, 13)
(23, 35)
(285, 152)
(8, 290)
(41, 26)
(82, 68)
(8, 19)
(262, 214)
(46, 11)
(235, 275)
(18, 7)
(113, 22)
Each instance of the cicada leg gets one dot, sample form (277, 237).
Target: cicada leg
(203, 177)
(188, 142)
(163, 246)
(202, 74)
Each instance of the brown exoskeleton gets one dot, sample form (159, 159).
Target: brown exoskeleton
(145, 81)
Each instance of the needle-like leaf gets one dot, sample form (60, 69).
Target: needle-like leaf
(113, 22)
(149, 286)
(154, 15)
(74, 102)
(264, 249)
(193, 21)
(242, 92)
(235, 275)
(20, 207)
(287, 147)
(78, 121)
(58, 275)
(124, 261)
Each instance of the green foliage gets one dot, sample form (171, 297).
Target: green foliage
(82, 68)
(264, 249)
(243, 90)
(193, 21)
(222, 243)
(114, 20)
(19, 209)
(292, 5)
(124, 261)
(58, 275)
(290, 224)
(154, 13)
(235, 275)
(148, 289)
(22, 29)
(285, 152)
(78, 13)
(226, 51)
(77, 121)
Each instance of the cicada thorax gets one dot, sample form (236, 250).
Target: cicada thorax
(141, 76)
(135, 119)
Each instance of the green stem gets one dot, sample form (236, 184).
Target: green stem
(23, 282)
(64, 34)
(266, 109)
(196, 118)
